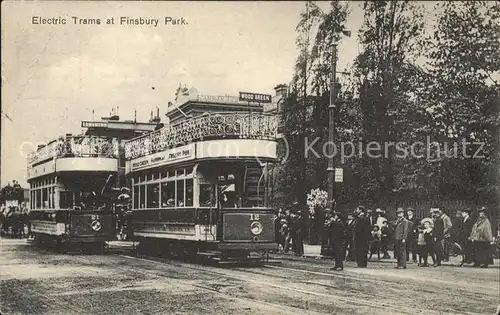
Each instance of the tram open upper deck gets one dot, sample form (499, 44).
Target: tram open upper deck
(201, 182)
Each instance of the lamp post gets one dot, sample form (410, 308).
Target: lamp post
(331, 126)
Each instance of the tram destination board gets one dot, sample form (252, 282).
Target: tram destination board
(255, 97)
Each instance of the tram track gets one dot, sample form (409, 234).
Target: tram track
(247, 274)
(261, 277)
(245, 300)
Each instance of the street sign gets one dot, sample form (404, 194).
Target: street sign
(254, 97)
(339, 175)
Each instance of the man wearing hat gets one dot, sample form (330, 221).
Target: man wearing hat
(447, 225)
(437, 235)
(362, 234)
(411, 244)
(338, 236)
(464, 233)
(481, 237)
(401, 238)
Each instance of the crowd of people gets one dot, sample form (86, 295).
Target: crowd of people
(364, 233)
(14, 221)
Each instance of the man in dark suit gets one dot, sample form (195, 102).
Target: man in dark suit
(437, 235)
(362, 234)
(411, 244)
(401, 238)
(299, 234)
(371, 218)
(351, 226)
(338, 237)
(464, 233)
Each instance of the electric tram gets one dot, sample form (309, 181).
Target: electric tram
(72, 184)
(200, 184)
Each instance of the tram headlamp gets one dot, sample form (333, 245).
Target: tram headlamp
(256, 228)
(96, 226)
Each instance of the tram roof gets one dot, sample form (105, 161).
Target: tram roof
(117, 126)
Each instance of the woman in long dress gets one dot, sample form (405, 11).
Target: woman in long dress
(481, 237)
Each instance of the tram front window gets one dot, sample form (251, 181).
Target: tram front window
(206, 195)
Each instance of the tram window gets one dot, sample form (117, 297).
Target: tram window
(164, 174)
(180, 193)
(52, 193)
(153, 195)
(66, 200)
(38, 199)
(206, 195)
(44, 198)
(142, 196)
(180, 172)
(189, 192)
(136, 197)
(189, 171)
(154, 175)
(168, 194)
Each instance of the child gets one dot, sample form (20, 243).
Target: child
(375, 243)
(428, 248)
(421, 245)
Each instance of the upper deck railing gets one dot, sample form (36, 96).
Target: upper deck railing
(210, 125)
(76, 146)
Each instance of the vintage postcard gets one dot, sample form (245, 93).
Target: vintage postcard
(253, 157)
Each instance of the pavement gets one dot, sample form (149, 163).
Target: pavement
(314, 251)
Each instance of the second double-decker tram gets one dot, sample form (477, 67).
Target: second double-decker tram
(68, 179)
(200, 186)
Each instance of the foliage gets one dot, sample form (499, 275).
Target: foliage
(463, 97)
(317, 199)
(404, 86)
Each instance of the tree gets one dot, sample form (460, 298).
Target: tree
(385, 73)
(463, 92)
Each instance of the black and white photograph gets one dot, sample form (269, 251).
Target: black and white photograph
(250, 157)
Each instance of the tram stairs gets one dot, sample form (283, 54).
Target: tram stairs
(254, 187)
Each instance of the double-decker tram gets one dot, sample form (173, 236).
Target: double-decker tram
(68, 179)
(72, 185)
(199, 185)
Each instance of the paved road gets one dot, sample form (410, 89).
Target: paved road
(36, 281)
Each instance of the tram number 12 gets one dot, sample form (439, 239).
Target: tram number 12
(254, 217)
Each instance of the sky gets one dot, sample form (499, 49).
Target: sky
(54, 76)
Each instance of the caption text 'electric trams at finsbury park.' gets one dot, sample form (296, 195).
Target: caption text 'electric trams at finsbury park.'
(122, 20)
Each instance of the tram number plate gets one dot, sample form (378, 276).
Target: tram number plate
(94, 217)
(254, 217)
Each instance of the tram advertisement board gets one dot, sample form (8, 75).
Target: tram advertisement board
(254, 97)
(183, 153)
